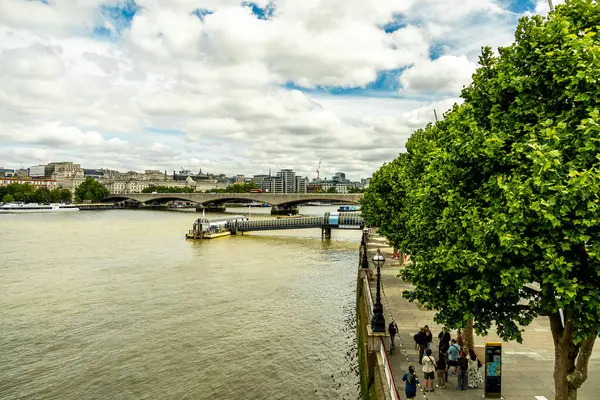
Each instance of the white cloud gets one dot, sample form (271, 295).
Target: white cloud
(447, 74)
(176, 91)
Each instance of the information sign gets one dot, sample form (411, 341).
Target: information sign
(493, 370)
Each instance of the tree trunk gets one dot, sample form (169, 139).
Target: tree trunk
(570, 359)
(467, 334)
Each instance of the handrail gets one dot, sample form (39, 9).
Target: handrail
(391, 381)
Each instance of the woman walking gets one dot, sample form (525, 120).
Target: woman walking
(442, 372)
(429, 336)
(410, 387)
(475, 378)
(428, 370)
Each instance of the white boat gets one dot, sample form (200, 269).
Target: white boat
(36, 208)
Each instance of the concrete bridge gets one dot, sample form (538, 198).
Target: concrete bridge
(279, 200)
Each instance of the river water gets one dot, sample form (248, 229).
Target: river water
(118, 305)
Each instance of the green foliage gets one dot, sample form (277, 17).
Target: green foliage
(331, 190)
(168, 189)
(353, 189)
(28, 194)
(8, 198)
(236, 188)
(504, 192)
(91, 190)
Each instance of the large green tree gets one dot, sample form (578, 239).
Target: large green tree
(499, 208)
(91, 190)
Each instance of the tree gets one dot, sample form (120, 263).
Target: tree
(332, 190)
(8, 198)
(91, 190)
(500, 200)
(65, 195)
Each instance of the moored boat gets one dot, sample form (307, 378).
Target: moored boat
(348, 208)
(36, 208)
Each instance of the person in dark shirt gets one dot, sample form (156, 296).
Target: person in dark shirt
(410, 388)
(441, 369)
(429, 336)
(461, 374)
(393, 330)
(421, 341)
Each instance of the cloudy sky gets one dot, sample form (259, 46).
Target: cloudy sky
(235, 87)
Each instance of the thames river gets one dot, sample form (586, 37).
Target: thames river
(118, 305)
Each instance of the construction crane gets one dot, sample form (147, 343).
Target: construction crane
(319, 170)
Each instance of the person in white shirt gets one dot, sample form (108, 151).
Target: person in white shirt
(429, 370)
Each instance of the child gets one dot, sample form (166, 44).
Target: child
(441, 372)
(410, 388)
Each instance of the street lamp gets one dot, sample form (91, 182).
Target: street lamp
(365, 260)
(378, 320)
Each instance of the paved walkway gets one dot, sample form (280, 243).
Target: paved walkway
(527, 368)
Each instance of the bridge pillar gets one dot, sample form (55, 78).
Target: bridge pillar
(326, 233)
(284, 210)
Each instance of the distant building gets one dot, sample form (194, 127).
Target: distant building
(340, 177)
(301, 185)
(272, 184)
(66, 174)
(288, 180)
(49, 184)
(6, 173)
(37, 171)
(258, 179)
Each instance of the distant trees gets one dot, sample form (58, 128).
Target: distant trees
(237, 188)
(168, 189)
(27, 193)
(91, 190)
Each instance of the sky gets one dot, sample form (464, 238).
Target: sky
(235, 87)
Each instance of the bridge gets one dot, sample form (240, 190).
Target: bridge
(332, 220)
(281, 202)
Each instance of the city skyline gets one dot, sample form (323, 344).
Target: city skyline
(235, 88)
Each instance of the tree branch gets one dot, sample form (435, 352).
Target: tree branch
(579, 376)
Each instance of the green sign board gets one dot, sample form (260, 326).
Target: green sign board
(493, 370)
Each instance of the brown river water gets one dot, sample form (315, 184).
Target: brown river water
(118, 305)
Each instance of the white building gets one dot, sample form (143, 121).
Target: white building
(288, 180)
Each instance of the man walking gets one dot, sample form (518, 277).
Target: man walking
(393, 330)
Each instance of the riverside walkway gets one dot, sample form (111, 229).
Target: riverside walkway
(526, 370)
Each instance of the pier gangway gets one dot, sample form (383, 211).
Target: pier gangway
(240, 224)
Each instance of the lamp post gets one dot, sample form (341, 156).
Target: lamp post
(378, 320)
(365, 261)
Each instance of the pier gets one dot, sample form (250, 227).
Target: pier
(206, 229)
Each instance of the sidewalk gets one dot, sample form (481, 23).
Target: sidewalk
(526, 368)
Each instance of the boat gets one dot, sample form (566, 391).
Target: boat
(36, 208)
(348, 208)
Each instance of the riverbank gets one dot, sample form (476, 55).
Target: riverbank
(527, 368)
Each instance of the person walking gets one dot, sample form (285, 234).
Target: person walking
(421, 341)
(393, 330)
(462, 371)
(428, 370)
(475, 378)
(453, 356)
(442, 373)
(410, 387)
(444, 338)
(429, 336)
